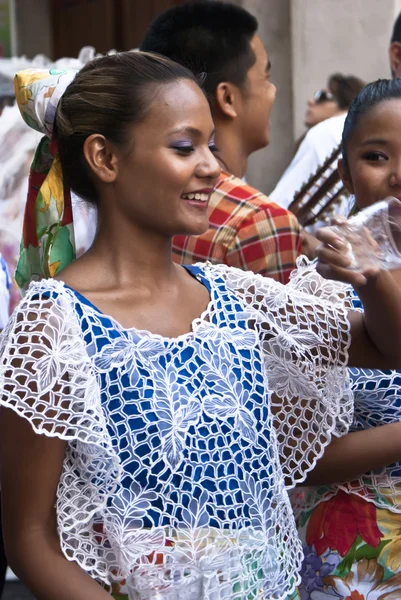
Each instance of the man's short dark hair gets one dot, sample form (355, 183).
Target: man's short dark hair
(206, 36)
(396, 35)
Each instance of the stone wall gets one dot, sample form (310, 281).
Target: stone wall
(32, 26)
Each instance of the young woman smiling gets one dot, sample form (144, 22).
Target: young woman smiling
(158, 409)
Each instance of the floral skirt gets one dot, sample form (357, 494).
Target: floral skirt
(352, 551)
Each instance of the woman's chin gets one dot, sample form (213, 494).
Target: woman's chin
(195, 229)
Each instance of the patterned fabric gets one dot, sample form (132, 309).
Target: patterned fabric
(171, 446)
(377, 396)
(246, 230)
(352, 550)
(48, 243)
(352, 531)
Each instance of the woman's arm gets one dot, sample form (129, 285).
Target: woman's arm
(30, 470)
(375, 333)
(356, 453)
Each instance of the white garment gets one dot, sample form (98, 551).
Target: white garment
(377, 401)
(178, 448)
(319, 143)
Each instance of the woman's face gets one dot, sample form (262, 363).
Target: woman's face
(374, 155)
(165, 181)
(320, 111)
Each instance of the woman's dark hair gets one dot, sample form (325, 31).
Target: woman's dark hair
(372, 95)
(206, 36)
(107, 96)
(344, 88)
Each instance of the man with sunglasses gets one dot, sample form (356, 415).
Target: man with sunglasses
(323, 105)
(325, 116)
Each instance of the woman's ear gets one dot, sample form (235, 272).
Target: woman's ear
(345, 176)
(101, 158)
(226, 99)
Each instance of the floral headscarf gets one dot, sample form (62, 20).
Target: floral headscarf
(48, 243)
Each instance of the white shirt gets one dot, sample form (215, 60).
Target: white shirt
(319, 143)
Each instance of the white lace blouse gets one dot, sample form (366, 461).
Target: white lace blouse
(377, 401)
(180, 447)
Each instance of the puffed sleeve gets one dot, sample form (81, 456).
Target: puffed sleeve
(46, 377)
(304, 335)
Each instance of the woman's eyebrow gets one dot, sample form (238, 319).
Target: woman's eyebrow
(189, 130)
(379, 141)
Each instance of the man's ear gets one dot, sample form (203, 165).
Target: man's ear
(395, 58)
(227, 98)
(345, 176)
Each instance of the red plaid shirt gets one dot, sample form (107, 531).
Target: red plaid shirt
(246, 230)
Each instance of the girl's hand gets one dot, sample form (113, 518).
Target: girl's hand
(335, 258)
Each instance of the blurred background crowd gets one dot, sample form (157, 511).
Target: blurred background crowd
(307, 41)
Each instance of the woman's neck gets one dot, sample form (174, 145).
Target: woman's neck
(122, 256)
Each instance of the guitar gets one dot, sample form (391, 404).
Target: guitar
(322, 196)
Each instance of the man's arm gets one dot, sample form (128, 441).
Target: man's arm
(267, 243)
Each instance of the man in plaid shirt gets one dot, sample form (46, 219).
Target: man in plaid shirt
(247, 230)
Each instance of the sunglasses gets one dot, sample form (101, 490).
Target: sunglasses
(323, 96)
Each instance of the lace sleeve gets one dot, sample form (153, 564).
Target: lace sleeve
(305, 335)
(46, 377)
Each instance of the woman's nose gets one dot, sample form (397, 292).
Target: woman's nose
(210, 167)
(395, 177)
